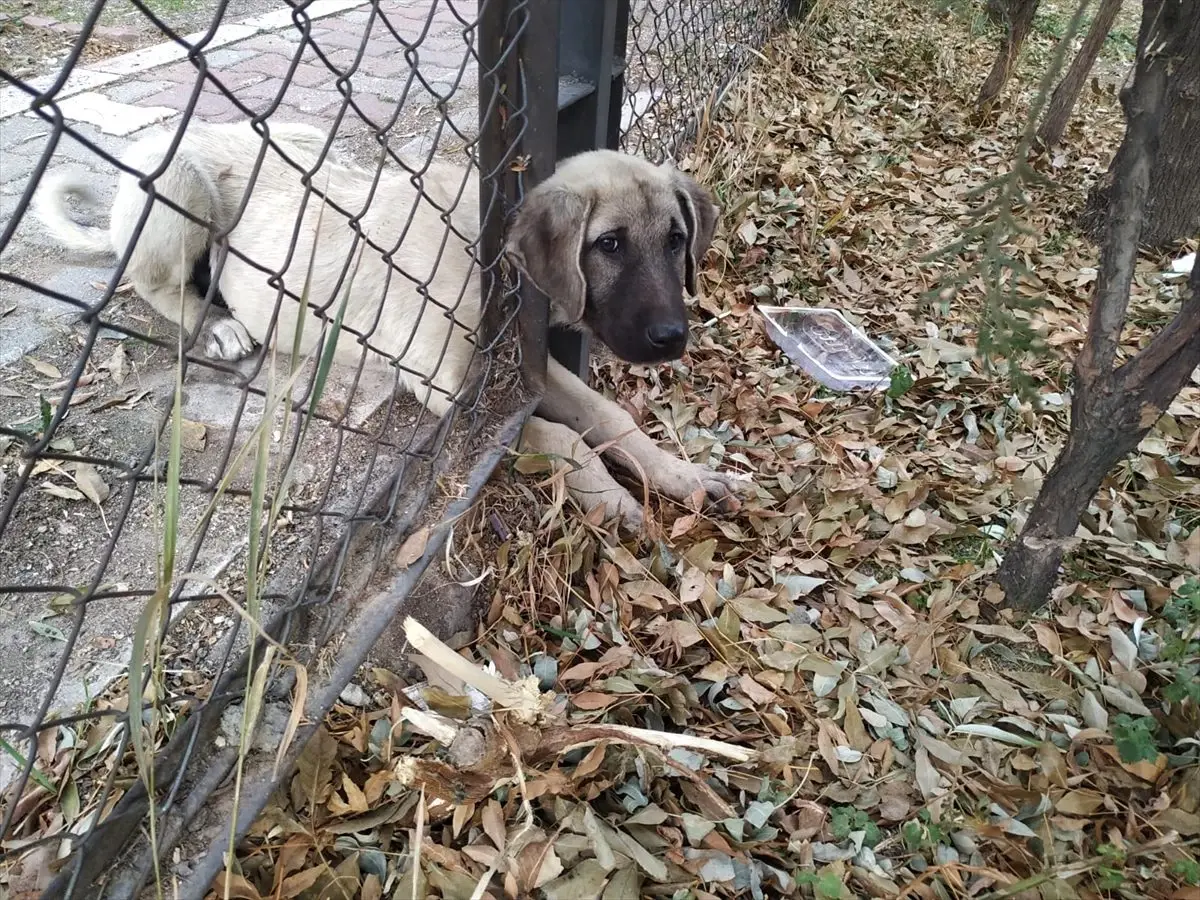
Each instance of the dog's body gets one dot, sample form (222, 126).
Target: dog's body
(611, 239)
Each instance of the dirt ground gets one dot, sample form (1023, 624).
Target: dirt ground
(29, 49)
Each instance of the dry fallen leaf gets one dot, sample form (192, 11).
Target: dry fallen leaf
(44, 368)
(413, 548)
(90, 483)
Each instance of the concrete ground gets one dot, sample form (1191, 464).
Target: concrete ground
(84, 528)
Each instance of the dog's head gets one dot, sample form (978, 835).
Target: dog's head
(613, 241)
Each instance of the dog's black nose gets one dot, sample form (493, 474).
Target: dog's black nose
(666, 334)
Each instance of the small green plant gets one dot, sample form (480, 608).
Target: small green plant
(845, 820)
(902, 382)
(1186, 870)
(974, 548)
(922, 834)
(1010, 330)
(37, 775)
(1185, 686)
(1050, 23)
(1183, 609)
(1181, 644)
(1121, 41)
(1056, 242)
(825, 887)
(970, 13)
(1110, 874)
(1134, 738)
(918, 600)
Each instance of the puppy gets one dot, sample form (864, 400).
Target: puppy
(613, 240)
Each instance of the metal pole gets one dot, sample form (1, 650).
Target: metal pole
(532, 118)
(591, 66)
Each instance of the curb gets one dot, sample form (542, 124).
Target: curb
(14, 100)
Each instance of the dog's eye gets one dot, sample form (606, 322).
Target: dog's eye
(675, 241)
(609, 243)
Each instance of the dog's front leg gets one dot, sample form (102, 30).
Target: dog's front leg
(605, 424)
(586, 477)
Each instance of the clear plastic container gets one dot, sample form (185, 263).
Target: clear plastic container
(825, 345)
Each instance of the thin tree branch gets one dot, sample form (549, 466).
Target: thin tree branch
(1168, 349)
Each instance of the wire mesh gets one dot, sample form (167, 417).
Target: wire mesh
(298, 471)
(681, 57)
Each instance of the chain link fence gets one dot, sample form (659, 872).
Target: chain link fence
(226, 538)
(682, 55)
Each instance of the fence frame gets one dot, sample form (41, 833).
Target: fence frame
(589, 71)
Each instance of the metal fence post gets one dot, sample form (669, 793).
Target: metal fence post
(517, 136)
(590, 66)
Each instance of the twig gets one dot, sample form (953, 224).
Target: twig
(418, 838)
(522, 699)
(664, 740)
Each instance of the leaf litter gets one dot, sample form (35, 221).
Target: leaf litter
(815, 697)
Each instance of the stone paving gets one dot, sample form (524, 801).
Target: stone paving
(254, 59)
(413, 71)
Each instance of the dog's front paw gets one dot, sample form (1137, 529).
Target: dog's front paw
(227, 339)
(722, 490)
(725, 490)
(592, 490)
(630, 514)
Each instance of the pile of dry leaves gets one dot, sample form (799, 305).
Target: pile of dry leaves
(805, 699)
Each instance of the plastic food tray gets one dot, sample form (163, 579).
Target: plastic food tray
(825, 345)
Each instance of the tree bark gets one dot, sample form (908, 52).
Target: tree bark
(1112, 408)
(1062, 102)
(1105, 427)
(1173, 207)
(1018, 16)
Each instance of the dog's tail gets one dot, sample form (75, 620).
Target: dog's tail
(50, 208)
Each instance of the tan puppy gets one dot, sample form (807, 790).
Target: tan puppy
(611, 239)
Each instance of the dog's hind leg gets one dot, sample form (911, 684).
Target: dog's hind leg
(167, 249)
(221, 335)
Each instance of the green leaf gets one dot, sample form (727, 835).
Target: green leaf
(902, 382)
(20, 759)
(1134, 738)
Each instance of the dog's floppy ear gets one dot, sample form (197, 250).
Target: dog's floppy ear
(700, 215)
(546, 244)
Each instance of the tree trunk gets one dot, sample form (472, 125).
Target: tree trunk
(1058, 114)
(1018, 17)
(1173, 208)
(1106, 424)
(1112, 408)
